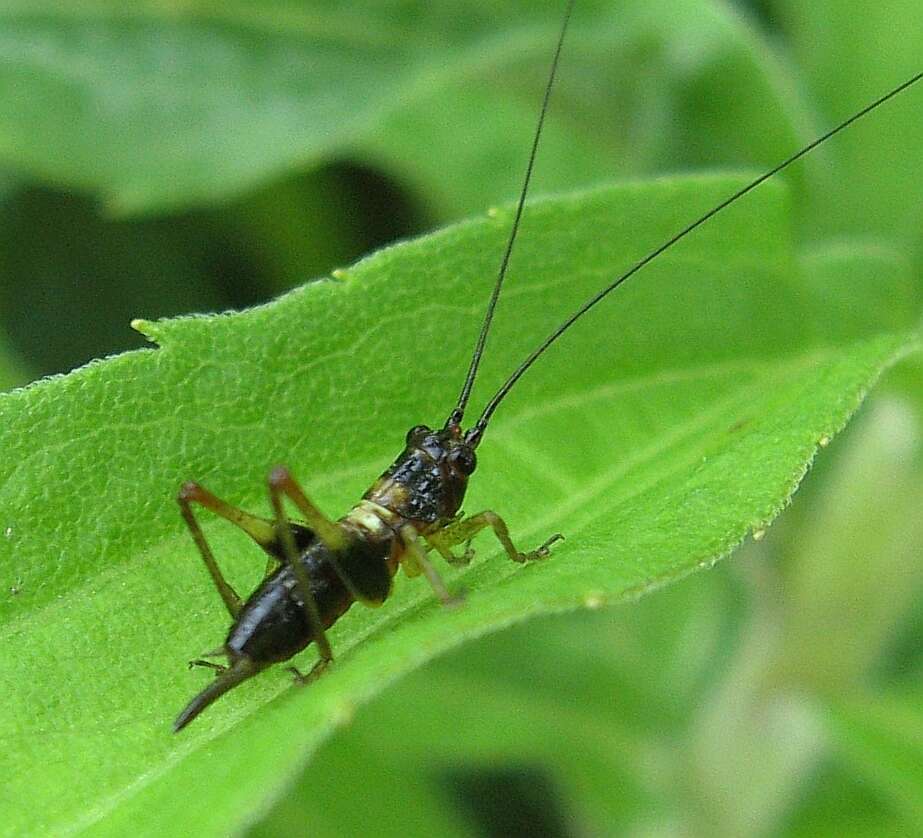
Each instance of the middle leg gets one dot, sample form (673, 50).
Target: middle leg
(416, 562)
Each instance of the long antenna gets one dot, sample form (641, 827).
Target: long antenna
(474, 435)
(458, 413)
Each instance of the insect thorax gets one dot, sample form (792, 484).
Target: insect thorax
(426, 484)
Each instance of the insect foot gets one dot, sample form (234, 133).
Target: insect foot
(542, 552)
(207, 665)
(316, 671)
(456, 600)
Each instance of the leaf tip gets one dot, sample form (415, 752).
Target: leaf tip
(145, 327)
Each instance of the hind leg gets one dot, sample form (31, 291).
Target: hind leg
(281, 483)
(259, 529)
(189, 494)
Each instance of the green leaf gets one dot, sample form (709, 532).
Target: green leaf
(855, 556)
(842, 804)
(848, 58)
(588, 705)
(880, 737)
(677, 418)
(153, 105)
(646, 85)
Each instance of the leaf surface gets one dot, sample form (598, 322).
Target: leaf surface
(678, 417)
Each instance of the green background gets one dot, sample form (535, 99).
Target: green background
(199, 157)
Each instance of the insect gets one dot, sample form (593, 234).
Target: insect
(319, 567)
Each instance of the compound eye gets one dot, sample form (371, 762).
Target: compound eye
(415, 432)
(464, 460)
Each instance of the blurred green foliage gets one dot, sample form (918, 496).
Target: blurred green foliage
(200, 156)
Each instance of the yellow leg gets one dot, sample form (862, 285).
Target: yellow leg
(260, 530)
(461, 532)
(281, 482)
(278, 488)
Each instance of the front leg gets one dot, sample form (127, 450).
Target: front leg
(461, 532)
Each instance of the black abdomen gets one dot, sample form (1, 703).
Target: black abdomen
(272, 625)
